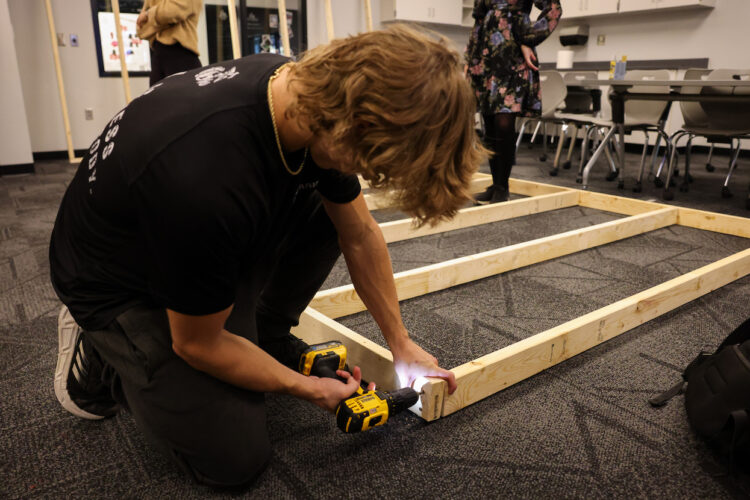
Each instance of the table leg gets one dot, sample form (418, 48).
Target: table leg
(558, 153)
(621, 148)
(595, 156)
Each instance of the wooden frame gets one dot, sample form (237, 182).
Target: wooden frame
(494, 372)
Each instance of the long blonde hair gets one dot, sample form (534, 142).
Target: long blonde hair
(396, 99)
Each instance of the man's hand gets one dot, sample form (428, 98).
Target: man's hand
(411, 362)
(529, 57)
(330, 392)
(142, 19)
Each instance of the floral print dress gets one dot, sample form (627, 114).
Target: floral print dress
(501, 80)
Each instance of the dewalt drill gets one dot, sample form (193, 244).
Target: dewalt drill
(364, 409)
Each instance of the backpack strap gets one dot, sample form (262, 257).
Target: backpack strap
(664, 397)
(679, 388)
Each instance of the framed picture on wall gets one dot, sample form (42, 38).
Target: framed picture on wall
(137, 54)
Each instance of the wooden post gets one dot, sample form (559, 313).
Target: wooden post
(60, 84)
(381, 200)
(329, 20)
(121, 50)
(474, 216)
(236, 52)
(284, 29)
(718, 223)
(368, 15)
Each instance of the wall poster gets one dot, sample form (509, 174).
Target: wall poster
(137, 54)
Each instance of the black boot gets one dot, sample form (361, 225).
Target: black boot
(493, 194)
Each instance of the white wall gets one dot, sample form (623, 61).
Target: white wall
(83, 86)
(348, 19)
(15, 144)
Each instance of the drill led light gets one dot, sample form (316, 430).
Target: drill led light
(419, 382)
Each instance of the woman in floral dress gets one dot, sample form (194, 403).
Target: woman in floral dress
(500, 63)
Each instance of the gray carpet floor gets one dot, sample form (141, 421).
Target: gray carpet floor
(582, 429)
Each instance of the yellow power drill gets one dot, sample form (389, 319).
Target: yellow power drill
(364, 409)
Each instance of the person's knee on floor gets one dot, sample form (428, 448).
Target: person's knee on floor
(233, 465)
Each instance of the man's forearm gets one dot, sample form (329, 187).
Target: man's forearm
(372, 275)
(237, 361)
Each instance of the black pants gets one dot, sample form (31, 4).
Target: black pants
(500, 138)
(170, 59)
(214, 431)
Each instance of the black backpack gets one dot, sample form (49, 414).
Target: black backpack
(717, 396)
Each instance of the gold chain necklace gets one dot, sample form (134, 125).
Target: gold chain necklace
(275, 128)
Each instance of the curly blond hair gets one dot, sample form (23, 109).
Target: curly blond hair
(397, 101)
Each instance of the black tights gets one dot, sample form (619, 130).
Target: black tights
(500, 138)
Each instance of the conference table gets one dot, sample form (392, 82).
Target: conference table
(621, 93)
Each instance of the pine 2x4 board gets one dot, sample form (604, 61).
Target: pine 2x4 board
(494, 372)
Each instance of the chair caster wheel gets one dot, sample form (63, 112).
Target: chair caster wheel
(621, 185)
(710, 168)
(658, 182)
(725, 192)
(566, 165)
(638, 187)
(667, 195)
(553, 172)
(676, 173)
(579, 180)
(613, 175)
(684, 188)
(689, 178)
(542, 157)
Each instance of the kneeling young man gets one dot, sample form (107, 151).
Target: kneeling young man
(211, 209)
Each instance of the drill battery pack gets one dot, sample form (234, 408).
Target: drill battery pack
(322, 360)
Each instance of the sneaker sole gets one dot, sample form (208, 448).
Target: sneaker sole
(67, 333)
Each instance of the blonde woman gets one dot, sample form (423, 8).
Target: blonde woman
(206, 216)
(171, 29)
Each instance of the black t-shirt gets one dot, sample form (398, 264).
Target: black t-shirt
(182, 187)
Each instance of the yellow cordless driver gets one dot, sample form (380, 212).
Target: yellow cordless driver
(367, 409)
(364, 409)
